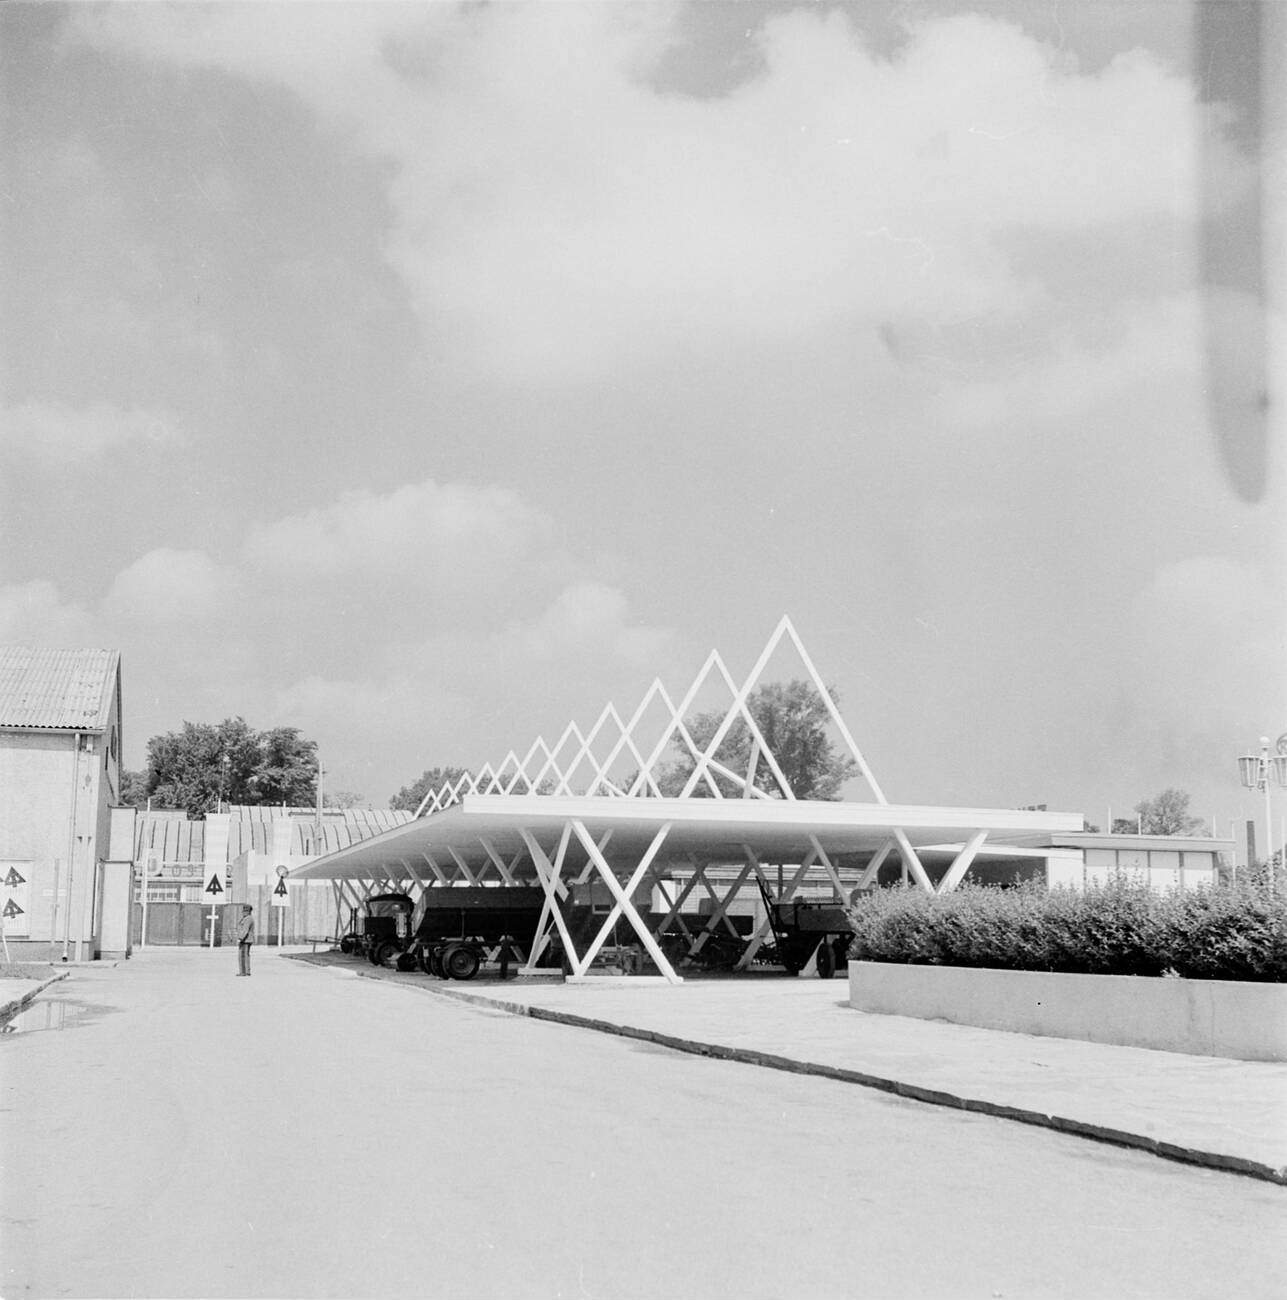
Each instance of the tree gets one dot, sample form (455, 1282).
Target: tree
(1164, 814)
(346, 799)
(410, 797)
(133, 789)
(792, 717)
(206, 764)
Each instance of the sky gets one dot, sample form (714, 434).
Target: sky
(424, 376)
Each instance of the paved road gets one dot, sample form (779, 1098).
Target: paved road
(309, 1133)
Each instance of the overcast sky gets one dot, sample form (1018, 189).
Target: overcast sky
(424, 376)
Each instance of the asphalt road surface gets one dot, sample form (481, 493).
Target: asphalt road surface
(170, 1130)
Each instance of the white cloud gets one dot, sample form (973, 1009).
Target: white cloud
(448, 542)
(56, 433)
(419, 680)
(173, 587)
(590, 619)
(544, 241)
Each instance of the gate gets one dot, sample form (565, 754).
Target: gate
(184, 923)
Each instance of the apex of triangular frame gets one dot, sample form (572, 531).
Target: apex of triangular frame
(489, 780)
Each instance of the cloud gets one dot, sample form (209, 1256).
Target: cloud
(53, 433)
(477, 620)
(172, 587)
(590, 619)
(452, 546)
(839, 187)
(34, 612)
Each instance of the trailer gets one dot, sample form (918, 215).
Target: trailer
(804, 927)
(449, 932)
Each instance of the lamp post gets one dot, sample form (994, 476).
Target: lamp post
(1255, 769)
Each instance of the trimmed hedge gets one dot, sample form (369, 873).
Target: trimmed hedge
(1122, 928)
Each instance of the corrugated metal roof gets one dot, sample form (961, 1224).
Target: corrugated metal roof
(68, 689)
(169, 837)
(172, 838)
(251, 827)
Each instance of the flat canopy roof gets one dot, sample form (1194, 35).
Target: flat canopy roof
(481, 827)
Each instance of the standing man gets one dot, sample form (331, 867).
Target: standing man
(245, 937)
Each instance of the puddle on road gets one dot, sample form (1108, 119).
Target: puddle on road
(58, 1013)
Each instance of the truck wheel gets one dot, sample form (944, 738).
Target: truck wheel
(826, 960)
(348, 944)
(383, 952)
(429, 962)
(460, 962)
(405, 961)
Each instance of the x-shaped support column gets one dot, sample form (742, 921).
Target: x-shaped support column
(623, 899)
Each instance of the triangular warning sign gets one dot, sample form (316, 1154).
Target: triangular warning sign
(281, 890)
(12, 909)
(214, 887)
(13, 878)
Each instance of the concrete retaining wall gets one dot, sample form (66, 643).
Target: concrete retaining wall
(1228, 1018)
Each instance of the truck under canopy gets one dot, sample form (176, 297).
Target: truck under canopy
(632, 844)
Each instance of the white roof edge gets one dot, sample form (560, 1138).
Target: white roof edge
(770, 811)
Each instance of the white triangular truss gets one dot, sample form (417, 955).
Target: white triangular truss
(623, 758)
(589, 763)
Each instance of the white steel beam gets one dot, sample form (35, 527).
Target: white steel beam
(913, 862)
(654, 951)
(869, 872)
(830, 867)
(462, 864)
(961, 863)
(549, 876)
(631, 885)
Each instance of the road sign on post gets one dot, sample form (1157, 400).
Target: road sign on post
(281, 900)
(214, 887)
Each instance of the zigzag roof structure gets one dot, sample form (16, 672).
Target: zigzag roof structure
(596, 807)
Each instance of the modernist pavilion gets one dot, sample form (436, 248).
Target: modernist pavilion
(587, 817)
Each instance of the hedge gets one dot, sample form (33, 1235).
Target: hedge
(1122, 928)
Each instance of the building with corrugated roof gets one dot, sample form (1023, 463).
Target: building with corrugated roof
(61, 897)
(241, 847)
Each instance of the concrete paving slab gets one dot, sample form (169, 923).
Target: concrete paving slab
(171, 1130)
(1204, 1110)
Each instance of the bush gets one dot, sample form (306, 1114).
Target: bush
(1122, 928)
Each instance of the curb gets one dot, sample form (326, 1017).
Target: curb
(910, 1091)
(9, 1009)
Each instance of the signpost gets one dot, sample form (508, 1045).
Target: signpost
(281, 901)
(149, 869)
(214, 887)
(17, 899)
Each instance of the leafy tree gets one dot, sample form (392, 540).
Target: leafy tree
(792, 717)
(133, 789)
(287, 769)
(346, 799)
(411, 796)
(1167, 814)
(230, 762)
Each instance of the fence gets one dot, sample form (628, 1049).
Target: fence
(309, 917)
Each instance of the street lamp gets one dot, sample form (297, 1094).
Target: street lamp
(1254, 769)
